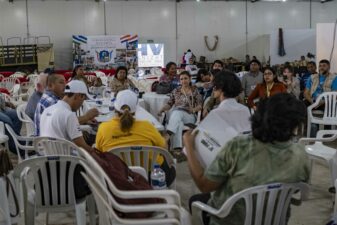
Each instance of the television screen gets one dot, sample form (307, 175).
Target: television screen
(150, 55)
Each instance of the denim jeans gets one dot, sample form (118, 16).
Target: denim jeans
(176, 125)
(9, 116)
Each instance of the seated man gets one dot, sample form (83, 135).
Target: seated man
(36, 96)
(53, 92)
(319, 83)
(268, 156)
(226, 88)
(9, 116)
(60, 121)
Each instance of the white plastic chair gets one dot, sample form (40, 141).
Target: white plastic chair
(32, 78)
(17, 75)
(26, 144)
(102, 186)
(9, 83)
(25, 119)
(3, 137)
(5, 205)
(48, 186)
(90, 78)
(318, 151)
(329, 113)
(54, 146)
(142, 156)
(270, 205)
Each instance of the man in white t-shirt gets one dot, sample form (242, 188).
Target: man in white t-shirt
(226, 88)
(60, 120)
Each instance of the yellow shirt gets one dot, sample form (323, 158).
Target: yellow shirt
(109, 135)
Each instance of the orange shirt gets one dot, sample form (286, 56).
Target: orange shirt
(260, 92)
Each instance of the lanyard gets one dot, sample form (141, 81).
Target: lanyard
(269, 87)
(188, 99)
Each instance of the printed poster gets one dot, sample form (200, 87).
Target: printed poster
(103, 52)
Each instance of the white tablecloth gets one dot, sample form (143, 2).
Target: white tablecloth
(154, 102)
(106, 115)
(143, 84)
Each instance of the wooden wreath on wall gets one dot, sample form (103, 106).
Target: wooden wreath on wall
(215, 43)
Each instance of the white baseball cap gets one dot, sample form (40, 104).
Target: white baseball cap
(77, 87)
(126, 97)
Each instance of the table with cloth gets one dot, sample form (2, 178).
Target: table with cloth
(106, 114)
(154, 102)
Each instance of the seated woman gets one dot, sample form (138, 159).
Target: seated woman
(170, 75)
(120, 81)
(268, 88)
(125, 130)
(9, 116)
(78, 74)
(290, 81)
(267, 156)
(186, 102)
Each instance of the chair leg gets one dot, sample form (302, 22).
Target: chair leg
(308, 129)
(29, 214)
(91, 209)
(311, 166)
(81, 218)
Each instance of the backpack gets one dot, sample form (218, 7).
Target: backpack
(163, 88)
(125, 179)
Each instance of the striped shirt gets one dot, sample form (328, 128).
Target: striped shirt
(48, 98)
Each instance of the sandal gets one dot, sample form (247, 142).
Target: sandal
(178, 155)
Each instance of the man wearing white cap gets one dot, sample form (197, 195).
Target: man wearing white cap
(60, 120)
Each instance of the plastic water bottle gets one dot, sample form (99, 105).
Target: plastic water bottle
(158, 179)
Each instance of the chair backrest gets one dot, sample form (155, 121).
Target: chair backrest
(142, 155)
(9, 82)
(170, 196)
(54, 146)
(330, 109)
(23, 143)
(90, 78)
(266, 204)
(32, 78)
(107, 205)
(24, 118)
(51, 178)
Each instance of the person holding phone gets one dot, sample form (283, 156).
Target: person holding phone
(290, 81)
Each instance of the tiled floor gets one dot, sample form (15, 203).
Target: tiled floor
(315, 211)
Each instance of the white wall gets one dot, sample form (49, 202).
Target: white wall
(297, 42)
(155, 20)
(325, 44)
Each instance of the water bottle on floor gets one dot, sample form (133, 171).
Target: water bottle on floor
(158, 179)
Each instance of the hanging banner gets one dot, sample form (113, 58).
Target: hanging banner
(99, 52)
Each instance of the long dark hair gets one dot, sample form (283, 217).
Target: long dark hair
(126, 119)
(75, 70)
